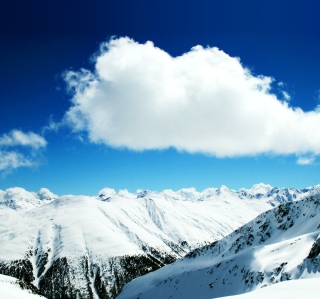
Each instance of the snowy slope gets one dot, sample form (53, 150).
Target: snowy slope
(100, 243)
(280, 244)
(94, 238)
(293, 289)
(12, 288)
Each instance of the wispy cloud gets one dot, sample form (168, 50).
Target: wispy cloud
(305, 160)
(286, 96)
(141, 98)
(52, 126)
(11, 159)
(19, 149)
(18, 138)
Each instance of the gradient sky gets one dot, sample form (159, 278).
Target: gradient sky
(42, 41)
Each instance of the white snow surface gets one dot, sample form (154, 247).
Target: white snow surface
(10, 289)
(276, 246)
(121, 223)
(71, 225)
(116, 224)
(293, 289)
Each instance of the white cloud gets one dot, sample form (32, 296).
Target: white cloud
(9, 160)
(52, 126)
(286, 96)
(17, 193)
(45, 193)
(139, 97)
(18, 138)
(107, 192)
(126, 194)
(305, 160)
(13, 153)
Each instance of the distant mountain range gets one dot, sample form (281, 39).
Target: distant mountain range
(90, 247)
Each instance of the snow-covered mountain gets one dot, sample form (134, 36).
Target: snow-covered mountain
(89, 247)
(12, 288)
(20, 199)
(278, 245)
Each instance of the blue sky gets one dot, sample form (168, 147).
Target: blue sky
(189, 120)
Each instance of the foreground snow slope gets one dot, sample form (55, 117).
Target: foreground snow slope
(89, 247)
(93, 240)
(293, 289)
(12, 288)
(278, 245)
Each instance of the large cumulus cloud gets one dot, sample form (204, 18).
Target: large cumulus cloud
(139, 97)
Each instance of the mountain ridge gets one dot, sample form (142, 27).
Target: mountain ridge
(20, 199)
(109, 239)
(278, 245)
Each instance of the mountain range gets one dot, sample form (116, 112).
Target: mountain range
(91, 246)
(279, 245)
